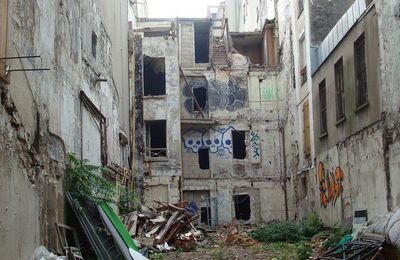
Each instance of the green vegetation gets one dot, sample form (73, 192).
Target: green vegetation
(217, 255)
(86, 183)
(279, 250)
(299, 235)
(157, 256)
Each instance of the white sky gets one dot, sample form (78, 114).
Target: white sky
(179, 8)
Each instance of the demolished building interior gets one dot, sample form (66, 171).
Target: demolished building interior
(263, 111)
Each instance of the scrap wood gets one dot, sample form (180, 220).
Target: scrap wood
(167, 226)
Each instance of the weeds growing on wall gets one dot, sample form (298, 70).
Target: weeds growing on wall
(86, 183)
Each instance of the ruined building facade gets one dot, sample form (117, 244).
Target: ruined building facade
(348, 109)
(80, 105)
(210, 110)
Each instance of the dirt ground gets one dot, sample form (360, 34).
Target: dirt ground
(215, 247)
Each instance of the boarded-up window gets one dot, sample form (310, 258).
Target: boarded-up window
(322, 108)
(339, 87)
(306, 131)
(360, 70)
(271, 46)
(3, 39)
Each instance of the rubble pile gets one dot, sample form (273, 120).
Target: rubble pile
(164, 228)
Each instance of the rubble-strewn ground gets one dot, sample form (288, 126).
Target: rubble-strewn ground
(257, 251)
(219, 245)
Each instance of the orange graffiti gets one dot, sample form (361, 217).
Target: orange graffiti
(330, 185)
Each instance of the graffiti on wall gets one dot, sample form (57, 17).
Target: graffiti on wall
(255, 147)
(220, 95)
(217, 140)
(330, 185)
(196, 83)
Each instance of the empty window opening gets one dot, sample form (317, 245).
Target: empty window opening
(360, 70)
(201, 42)
(322, 108)
(239, 145)
(205, 215)
(156, 138)
(249, 45)
(94, 44)
(339, 86)
(204, 160)
(242, 207)
(201, 96)
(154, 76)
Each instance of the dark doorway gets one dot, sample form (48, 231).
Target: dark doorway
(154, 76)
(242, 207)
(201, 97)
(204, 159)
(205, 215)
(156, 138)
(239, 145)
(202, 42)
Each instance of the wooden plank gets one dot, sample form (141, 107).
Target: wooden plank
(167, 226)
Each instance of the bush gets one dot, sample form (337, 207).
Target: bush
(289, 231)
(286, 231)
(303, 251)
(311, 225)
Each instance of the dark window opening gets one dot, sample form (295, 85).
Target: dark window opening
(201, 96)
(204, 160)
(201, 42)
(360, 70)
(94, 44)
(242, 207)
(239, 145)
(154, 76)
(205, 215)
(322, 107)
(304, 187)
(339, 86)
(156, 138)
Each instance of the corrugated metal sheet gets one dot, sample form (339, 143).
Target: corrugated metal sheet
(340, 30)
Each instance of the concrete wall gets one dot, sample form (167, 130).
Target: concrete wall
(47, 108)
(355, 119)
(165, 170)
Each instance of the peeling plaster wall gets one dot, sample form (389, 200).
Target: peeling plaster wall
(167, 108)
(44, 109)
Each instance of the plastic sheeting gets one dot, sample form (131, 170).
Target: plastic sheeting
(387, 225)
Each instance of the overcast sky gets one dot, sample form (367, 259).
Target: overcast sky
(179, 8)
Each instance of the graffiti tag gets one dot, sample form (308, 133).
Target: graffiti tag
(254, 137)
(330, 185)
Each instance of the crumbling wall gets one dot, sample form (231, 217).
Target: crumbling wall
(389, 37)
(44, 109)
(166, 169)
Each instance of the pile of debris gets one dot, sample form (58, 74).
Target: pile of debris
(164, 228)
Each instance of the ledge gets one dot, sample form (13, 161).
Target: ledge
(323, 135)
(361, 107)
(340, 121)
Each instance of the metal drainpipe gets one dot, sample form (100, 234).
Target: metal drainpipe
(281, 129)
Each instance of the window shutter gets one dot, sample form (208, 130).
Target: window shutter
(306, 132)
(3, 39)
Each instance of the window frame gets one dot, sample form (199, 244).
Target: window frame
(339, 90)
(323, 126)
(147, 142)
(360, 72)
